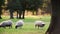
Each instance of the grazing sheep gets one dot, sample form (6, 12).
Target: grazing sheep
(39, 24)
(19, 24)
(5, 24)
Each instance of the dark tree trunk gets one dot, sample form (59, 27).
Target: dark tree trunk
(33, 12)
(17, 15)
(54, 27)
(36, 11)
(49, 8)
(20, 13)
(23, 14)
(11, 14)
(0, 16)
(0, 12)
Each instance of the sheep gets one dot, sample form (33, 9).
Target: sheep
(39, 24)
(5, 24)
(19, 24)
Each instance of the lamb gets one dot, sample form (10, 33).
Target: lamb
(5, 24)
(39, 24)
(19, 24)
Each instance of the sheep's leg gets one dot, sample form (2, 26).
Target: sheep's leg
(38, 27)
(10, 26)
(35, 26)
(16, 27)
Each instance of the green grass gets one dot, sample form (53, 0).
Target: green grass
(28, 27)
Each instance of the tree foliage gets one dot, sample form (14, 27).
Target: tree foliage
(27, 4)
(47, 6)
(23, 5)
(1, 3)
(33, 4)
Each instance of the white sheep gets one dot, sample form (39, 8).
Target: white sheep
(5, 24)
(19, 24)
(39, 24)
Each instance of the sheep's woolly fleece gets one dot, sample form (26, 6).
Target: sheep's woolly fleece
(19, 22)
(7, 21)
(39, 22)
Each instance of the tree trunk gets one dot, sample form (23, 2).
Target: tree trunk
(23, 14)
(17, 15)
(20, 13)
(54, 27)
(11, 14)
(33, 12)
(0, 12)
(0, 16)
(36, 11)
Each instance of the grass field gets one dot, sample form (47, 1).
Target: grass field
(28, 27)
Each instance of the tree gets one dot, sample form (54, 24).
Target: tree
(18, 5)
(33, 5)
(0, 12)
(23, 5)
(47, 7)
(22, 9)
(1, 3)
(54, 27)
(10, 6)
(17, 15)
(13, 5)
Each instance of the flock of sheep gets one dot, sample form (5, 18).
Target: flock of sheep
(20, 23)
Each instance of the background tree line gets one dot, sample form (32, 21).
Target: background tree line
(21, 5)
